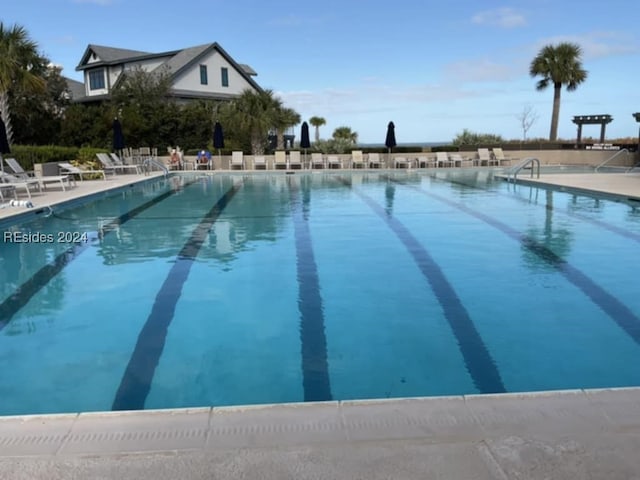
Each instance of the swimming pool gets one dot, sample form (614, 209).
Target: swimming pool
(246, 289)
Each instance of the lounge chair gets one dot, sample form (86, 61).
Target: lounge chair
(260, 161)
(374, 159)
(16, 182)
(498, 154)
(458, 160)
(401, 162)
(357, 158)
(109, 165)
(20, 174)
(67, 168)
(443, 160)
(333, 161)
(424, 162)
(17, 169)
(280, 159)
(119, 163)
(484, 158)
(294, 159)
(237, 160)
(317, 160)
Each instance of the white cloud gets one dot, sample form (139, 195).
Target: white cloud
(500, 17)
(598, 44)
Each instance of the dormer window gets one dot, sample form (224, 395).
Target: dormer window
(96, 79)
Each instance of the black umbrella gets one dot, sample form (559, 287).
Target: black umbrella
(118, 137)
(304, 136)
(304, 139)
(4, 144)
(218, 139)
(390, 141)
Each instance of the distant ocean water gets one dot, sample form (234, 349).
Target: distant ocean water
(405, 144)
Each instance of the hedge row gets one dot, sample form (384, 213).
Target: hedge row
(29, 155)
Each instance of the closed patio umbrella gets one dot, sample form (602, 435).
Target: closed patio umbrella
(304, 139)
(118, 137)
(4, 144)
(390, 141)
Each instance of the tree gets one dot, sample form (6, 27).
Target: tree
(527, 118)
(317, 122)
(345, 133)
(37, 116)
(558, 65)
(18, 61)
(253, 114)
(284, 118)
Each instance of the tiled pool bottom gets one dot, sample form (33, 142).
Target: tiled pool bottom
(560, 435)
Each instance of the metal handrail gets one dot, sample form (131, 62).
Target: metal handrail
(610, 158)
(527, 161)
(152, 161)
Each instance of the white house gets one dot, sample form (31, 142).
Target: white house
(202, 72)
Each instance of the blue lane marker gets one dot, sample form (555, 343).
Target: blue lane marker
(25, 292)
(619, 313)
(602, 224)
(136, 381)
(478, 360)
(315, 368)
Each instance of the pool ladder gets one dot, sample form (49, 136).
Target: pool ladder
(516, 168)
(152, 162)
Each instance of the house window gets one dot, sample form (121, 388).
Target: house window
(203, 75)
(225, 76)
(96, 79)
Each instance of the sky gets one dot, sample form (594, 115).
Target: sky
(433, 68)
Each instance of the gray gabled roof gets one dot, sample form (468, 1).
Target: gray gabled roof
(178, 61)
(247, 69)
(109, 55)
(75, 87)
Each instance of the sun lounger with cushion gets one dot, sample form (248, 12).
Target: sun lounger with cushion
(500, 158)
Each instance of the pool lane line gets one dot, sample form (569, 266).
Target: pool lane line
(315, 368)
(600, 223)
(136, 381)
(25, 292)
(480, 365)
(614, 308)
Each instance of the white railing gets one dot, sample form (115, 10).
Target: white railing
(516, 168)
(624, 150)
(152, 162)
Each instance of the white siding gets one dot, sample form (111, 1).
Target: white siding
(190, 79)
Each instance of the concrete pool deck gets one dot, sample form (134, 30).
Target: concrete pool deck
(574, 434)
(550, 435)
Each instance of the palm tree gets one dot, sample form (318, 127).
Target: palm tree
(284, 118)
(18, 55)
(317, 122)
(558, 65)
(255, 113)
(345, 133)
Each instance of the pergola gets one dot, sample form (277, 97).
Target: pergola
(601, 120)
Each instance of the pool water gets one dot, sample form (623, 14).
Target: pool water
(247, 289)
